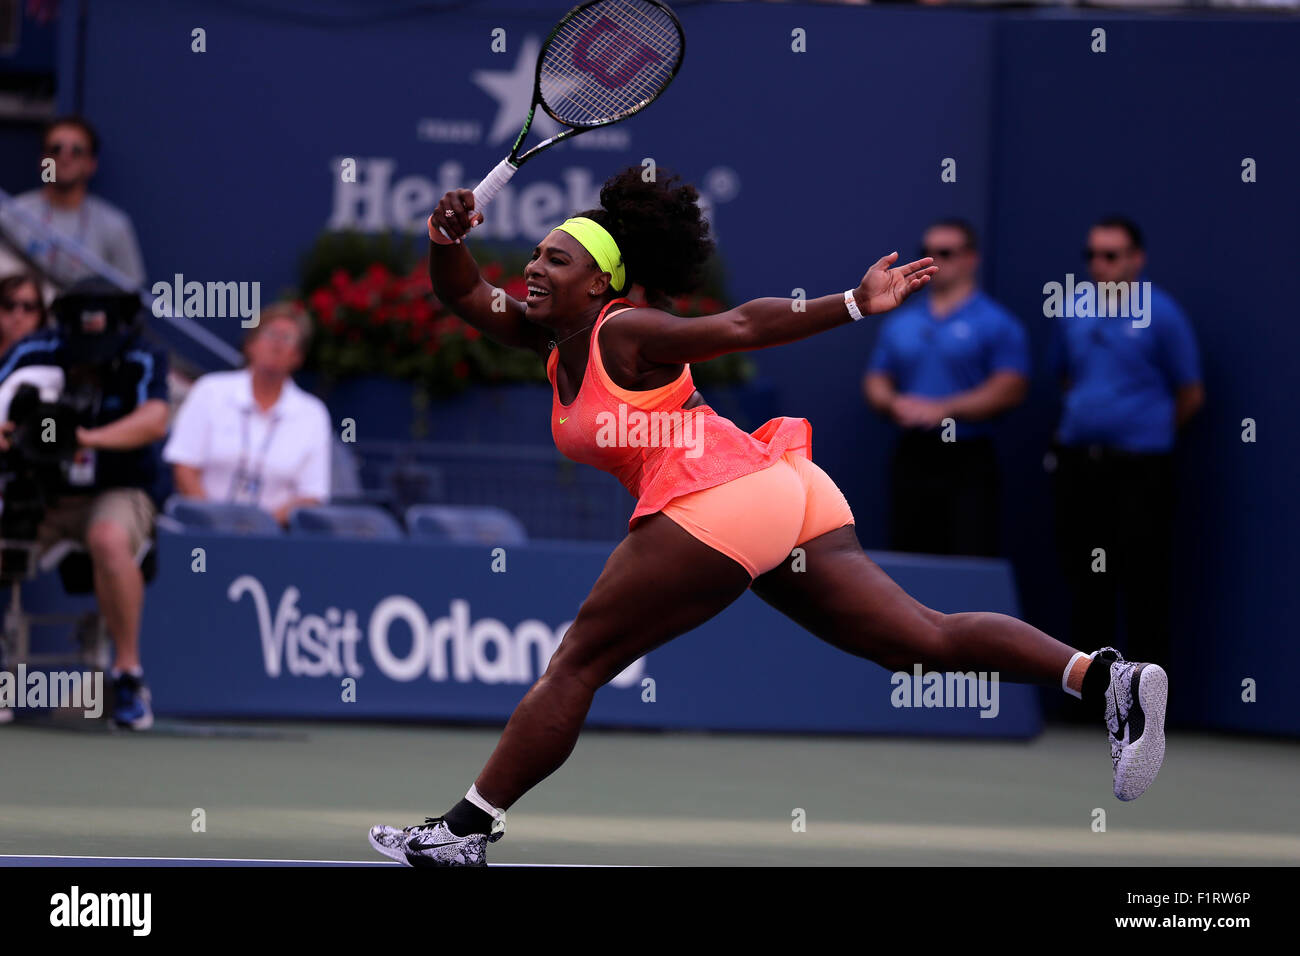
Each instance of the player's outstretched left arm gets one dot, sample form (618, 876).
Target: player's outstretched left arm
(663, 338)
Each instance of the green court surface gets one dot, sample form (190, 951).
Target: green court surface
(310, 791)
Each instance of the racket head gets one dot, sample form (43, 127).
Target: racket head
(607, 60)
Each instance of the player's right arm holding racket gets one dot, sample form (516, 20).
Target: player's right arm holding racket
(606, 61)
(460, 286)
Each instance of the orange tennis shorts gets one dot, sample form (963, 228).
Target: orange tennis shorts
(759, 519)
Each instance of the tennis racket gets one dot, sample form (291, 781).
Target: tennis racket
(605, 61)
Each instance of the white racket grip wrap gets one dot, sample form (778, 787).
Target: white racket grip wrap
(486, 191)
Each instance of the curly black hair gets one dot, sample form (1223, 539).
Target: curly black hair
(659, 229)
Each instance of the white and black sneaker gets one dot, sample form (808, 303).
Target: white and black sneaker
(432, 843)
(1135, 721)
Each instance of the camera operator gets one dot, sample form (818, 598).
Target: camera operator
(85, 465)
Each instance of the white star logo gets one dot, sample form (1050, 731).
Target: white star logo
(513, 91)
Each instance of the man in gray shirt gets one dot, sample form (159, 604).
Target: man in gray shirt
(64, 205)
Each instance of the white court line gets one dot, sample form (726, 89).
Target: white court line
(184, 859)
(237, 859)
(1032, 842)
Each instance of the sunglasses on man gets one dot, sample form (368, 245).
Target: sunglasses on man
(1109, 255)
(72, 149)
(942, 253)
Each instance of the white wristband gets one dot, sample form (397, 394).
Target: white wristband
(852, 305)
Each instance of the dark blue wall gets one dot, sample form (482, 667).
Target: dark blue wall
(224, 160)
(1157, 127)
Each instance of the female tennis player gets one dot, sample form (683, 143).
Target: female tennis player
(715, 515)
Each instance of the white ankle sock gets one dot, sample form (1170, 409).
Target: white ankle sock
(477, 799)
(1065, 675)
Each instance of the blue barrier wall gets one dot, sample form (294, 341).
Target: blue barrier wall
(812, 165)
(273, 626)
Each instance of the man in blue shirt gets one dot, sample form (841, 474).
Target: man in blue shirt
(944, 367)
(1132, 377)
(104, 492)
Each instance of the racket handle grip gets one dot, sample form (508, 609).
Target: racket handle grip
(484, 193)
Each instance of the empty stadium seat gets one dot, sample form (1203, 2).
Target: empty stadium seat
(196, 515)
(552, 497)
(345, 472)
(412, 483)
(345, 521)
(464, 523)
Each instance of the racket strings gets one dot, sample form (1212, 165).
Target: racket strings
(627, 63)
(578, 95)
(657, 35)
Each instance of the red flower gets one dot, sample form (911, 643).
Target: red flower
(322, 300)
(421, 311)
(326, 309)
(357, 298)
(461, 369)
(340, 280)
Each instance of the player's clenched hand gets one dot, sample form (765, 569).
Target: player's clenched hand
(455, 215)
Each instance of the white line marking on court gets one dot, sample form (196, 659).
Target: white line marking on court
(187, 859)
(1025, 841)
(589, 866)
(236, 859)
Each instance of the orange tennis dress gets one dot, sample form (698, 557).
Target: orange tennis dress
(750, 496)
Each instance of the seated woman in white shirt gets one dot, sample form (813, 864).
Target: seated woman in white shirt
(252, 436)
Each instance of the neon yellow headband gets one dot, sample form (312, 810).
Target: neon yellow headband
(596, 239)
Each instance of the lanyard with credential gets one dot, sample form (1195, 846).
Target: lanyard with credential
(243, 480)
